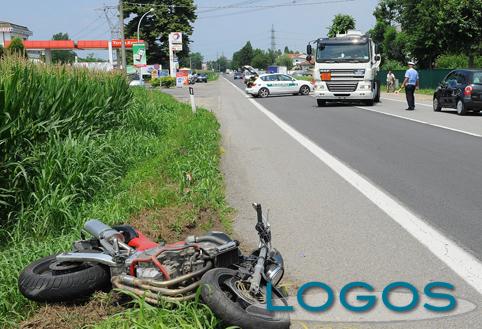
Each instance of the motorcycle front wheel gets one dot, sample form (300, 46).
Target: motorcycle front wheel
(46, 280)
(233, 304)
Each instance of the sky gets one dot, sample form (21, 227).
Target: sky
(217, 31)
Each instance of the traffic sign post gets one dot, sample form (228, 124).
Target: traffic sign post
(175, 44)
(191, 96)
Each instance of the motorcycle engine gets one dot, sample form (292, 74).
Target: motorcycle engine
(176, 263)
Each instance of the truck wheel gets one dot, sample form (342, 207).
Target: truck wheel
(320, 102)
(370, 102)
(377, 92)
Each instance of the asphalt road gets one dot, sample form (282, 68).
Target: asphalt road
(325, 228)
(433, 171)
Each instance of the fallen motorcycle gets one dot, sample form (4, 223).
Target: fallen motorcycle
(233, 285)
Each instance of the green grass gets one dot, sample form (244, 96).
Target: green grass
(188, 315)
(55, 122)
(138, 163)
(427, 91)
(304, 77)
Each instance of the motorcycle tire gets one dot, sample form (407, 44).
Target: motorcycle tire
(221, 301)
(64, 282)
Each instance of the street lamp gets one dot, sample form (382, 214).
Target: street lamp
(138, 38)
(139, 24)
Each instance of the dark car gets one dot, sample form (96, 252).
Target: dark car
(238, 75)
(460, 90)
(202, 78)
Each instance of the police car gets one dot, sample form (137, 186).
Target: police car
(271, 84)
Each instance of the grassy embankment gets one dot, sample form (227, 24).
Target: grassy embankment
(76, 145)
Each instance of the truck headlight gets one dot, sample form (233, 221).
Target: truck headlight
(364, 86)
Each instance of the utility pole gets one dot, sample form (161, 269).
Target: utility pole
(121, 29)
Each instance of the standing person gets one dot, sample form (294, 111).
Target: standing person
(390, 81)
(410, 83)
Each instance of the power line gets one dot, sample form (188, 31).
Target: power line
(285, 4)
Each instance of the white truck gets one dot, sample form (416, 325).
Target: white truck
(345, 69)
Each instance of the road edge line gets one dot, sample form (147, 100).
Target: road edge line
(401, 101)
(455, 257)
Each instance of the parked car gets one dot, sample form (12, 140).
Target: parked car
(461, 90)
(136, 83)
(238, 75)
(270, 84)
(202, 77)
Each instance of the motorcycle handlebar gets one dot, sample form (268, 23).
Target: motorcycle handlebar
(259, 212)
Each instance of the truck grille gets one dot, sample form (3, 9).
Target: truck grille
(345, 74)
(342, 87)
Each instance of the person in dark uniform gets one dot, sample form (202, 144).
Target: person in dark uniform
(411, 82)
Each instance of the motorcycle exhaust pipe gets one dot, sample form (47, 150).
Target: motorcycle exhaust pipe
(102, 231)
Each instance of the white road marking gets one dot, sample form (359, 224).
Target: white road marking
(454, 256)
(415, 120)
(419, 121)
(400, 101)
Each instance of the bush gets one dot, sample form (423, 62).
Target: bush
(390, 64)
(168, 82)
(451, 61)
(156, 82)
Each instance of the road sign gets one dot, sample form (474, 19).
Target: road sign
(176, 47)
(175, 38)
(139, 54)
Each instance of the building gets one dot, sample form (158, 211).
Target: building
(8, 31)
(297, 58)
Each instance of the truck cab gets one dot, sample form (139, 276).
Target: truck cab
(345, 69)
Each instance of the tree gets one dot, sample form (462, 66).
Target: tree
(340, 24)
(462, 27)
(246, 54)
(236, 61)
(1, 51)
(62, 56)
(193, 60)
(155, 27)
(285, 60)
(222, 63)
(261, 59)
(16, 47)
(424, 29)
(196, 61)
(287, 50)
(91, 59)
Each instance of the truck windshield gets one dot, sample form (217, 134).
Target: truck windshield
(342, 52)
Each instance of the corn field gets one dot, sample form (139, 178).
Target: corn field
(50, 118)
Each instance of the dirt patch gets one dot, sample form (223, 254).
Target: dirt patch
(171, 224)
(61, 316)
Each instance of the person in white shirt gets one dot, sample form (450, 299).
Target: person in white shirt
(390, 81)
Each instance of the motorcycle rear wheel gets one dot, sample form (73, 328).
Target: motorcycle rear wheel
(224, 302)
(45, 280)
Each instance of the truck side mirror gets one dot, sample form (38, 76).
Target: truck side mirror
(308, 58)
(377, 58)
(309, 50)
